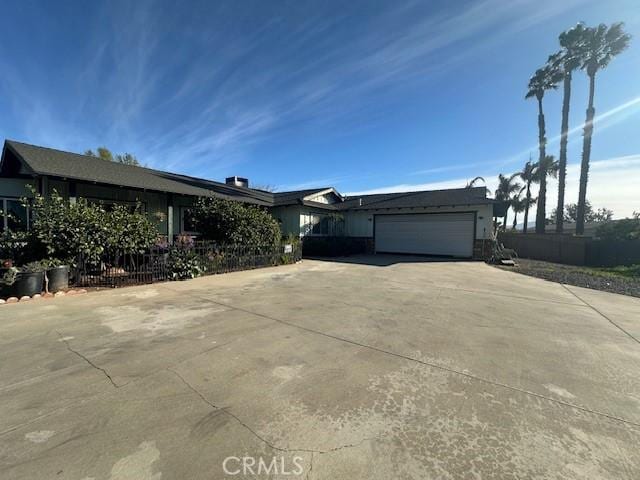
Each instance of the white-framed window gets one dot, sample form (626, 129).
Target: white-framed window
(15, 216)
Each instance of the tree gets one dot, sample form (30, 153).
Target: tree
(472, 183)
(568, 59)
(518, 204)
(128, 159)
(570, 213)
(545, 168)
(507, 186)
(528, 176)
(601, 45)
(545, 78)
(625, 229)
(105, 154)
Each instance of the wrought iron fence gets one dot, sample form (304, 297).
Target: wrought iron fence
(162, 263)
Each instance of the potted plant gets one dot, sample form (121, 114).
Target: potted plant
(5, 268)
(26, 280)
(57, 274)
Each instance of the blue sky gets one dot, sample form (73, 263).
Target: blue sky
(364, 96)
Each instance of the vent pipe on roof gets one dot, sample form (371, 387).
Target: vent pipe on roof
(237, 181)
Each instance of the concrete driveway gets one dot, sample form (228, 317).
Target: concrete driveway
(373, 368)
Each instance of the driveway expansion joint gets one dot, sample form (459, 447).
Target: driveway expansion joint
(600, 313)
(429, 364)
(256, 434)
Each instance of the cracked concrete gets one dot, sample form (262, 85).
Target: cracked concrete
(367, 368)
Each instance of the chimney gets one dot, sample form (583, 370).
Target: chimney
(237, 181)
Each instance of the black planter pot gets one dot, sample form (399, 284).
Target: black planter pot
(28, 284)
(58, 278)
(5, 290)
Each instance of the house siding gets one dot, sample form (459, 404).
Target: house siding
(288, 218)
(15, 187)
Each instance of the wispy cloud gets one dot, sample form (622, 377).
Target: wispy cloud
(183, 90)
(602, 122)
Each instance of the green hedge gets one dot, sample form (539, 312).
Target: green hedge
(231, 222)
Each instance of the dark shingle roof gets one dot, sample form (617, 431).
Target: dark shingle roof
(57, 163)
(425, 198)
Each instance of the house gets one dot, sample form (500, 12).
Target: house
(453, 222)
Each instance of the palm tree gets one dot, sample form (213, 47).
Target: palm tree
(545, 78)
(507, 186)
(568, 59)
(528, 176)
(518, 205)
(548, 167)
(601, 45)
(472, 183)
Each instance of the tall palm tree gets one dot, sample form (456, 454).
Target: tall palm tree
(528, 176)
(518, 204)
(472, 183)
(545, 78)
(507, 186)
(601, 45)
(547, 167)
(568, 59)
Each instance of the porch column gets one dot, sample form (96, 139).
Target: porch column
(72, 192)
(170, 218)
(44, 186)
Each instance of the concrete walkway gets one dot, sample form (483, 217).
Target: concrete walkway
(373, 367)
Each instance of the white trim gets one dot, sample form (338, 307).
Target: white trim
(323, 192)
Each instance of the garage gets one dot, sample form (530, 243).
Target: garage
(446, 234)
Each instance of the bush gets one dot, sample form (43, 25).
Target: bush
(184, 263)
(65, 229)
(227, 221)
(17, 247)
(625, 229)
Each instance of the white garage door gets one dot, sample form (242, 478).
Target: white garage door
(448, 234)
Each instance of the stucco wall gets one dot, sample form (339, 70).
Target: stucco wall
(360, 224)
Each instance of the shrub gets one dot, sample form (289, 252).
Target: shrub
(17, 247)
(625, 229)
(67, 229)
(129, 232)
(227, 221)
(184, 263)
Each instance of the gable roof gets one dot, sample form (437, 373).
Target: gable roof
(295, 196)
(57, 163)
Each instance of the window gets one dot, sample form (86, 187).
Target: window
(108, 204)
(15, 216)
(187, 224)
(319, 224)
